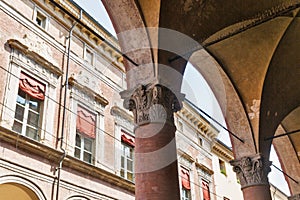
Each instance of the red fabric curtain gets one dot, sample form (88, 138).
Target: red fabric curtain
(185, 178)
(32, 87)
(86, 122)
(205, 189)
(127, 139)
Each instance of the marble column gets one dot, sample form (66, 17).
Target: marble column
(252, 172)
(156, 173)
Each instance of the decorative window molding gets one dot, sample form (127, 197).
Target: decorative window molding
(40, 18)
(87, 93)
(185, 183)
(35, 55)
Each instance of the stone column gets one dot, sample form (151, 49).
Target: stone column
(295, 197)
(252, 172)
(156, 173)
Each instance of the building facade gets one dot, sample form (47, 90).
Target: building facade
(64, 133)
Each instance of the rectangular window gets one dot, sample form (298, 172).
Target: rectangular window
(28, 106)
(127, 157)
(89, 56)
(40, 19)
(222, 167)
(85, 135)
(185, 184)
(205, 190)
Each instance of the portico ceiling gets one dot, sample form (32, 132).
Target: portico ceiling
(256, 45)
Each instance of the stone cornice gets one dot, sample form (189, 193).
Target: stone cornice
(222, 151)
(15, 44)
(204, 168)
(117, 111)
(98, 97)
(186, 156)
(195, 119)
(43, 151)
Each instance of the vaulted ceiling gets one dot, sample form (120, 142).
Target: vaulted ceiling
(255, 46)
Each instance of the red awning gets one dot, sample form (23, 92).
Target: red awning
(127, 139)
(205, 189)
(185, 178)
(32, 87)
(86, 122)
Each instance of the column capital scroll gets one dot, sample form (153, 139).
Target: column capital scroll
(152, 103)
(252, 170)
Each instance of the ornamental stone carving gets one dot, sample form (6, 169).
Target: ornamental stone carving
(252, 170)
(294, 197)
(152, 103)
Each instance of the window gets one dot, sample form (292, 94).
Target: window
(200, 141)
(40, 19)
(222, 167)
(85, 135)
(205, 190)
(28, 106)
(89, 56)
(127, 157)
(185, 184)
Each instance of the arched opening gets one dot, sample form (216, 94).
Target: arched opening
(15, 191)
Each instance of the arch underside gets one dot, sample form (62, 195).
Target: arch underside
(252, 50)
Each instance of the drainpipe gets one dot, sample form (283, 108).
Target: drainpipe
(61, 139)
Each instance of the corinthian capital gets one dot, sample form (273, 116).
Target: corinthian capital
(252, 170)
(152, 103)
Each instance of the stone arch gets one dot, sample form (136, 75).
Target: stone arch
(78, 197)
(229, 101)
(17, 187)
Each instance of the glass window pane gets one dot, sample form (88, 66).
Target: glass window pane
(19, 114)
(78, 141)
(122, 173)
(129, 165)
(87, 145)
(77, 153)
(32, 133)
(34, 105)
(17, 127)
(130, 176)
(122, 162)
(21, 98)
(33, 119)
(87, 157)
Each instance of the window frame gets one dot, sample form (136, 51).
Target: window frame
(125, 170)
(88, 50)
(38, 13)
(185, 193)
(24, 122)
(82, 148)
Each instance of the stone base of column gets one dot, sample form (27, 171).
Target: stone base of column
(295, 197)
(156, 167)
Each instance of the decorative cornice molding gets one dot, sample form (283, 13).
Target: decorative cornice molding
(117, 111)
(204, 168)
(152, 103)
(98, 97)
(15, 44)
(25, 144)
(222, 151)
(252, 170)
